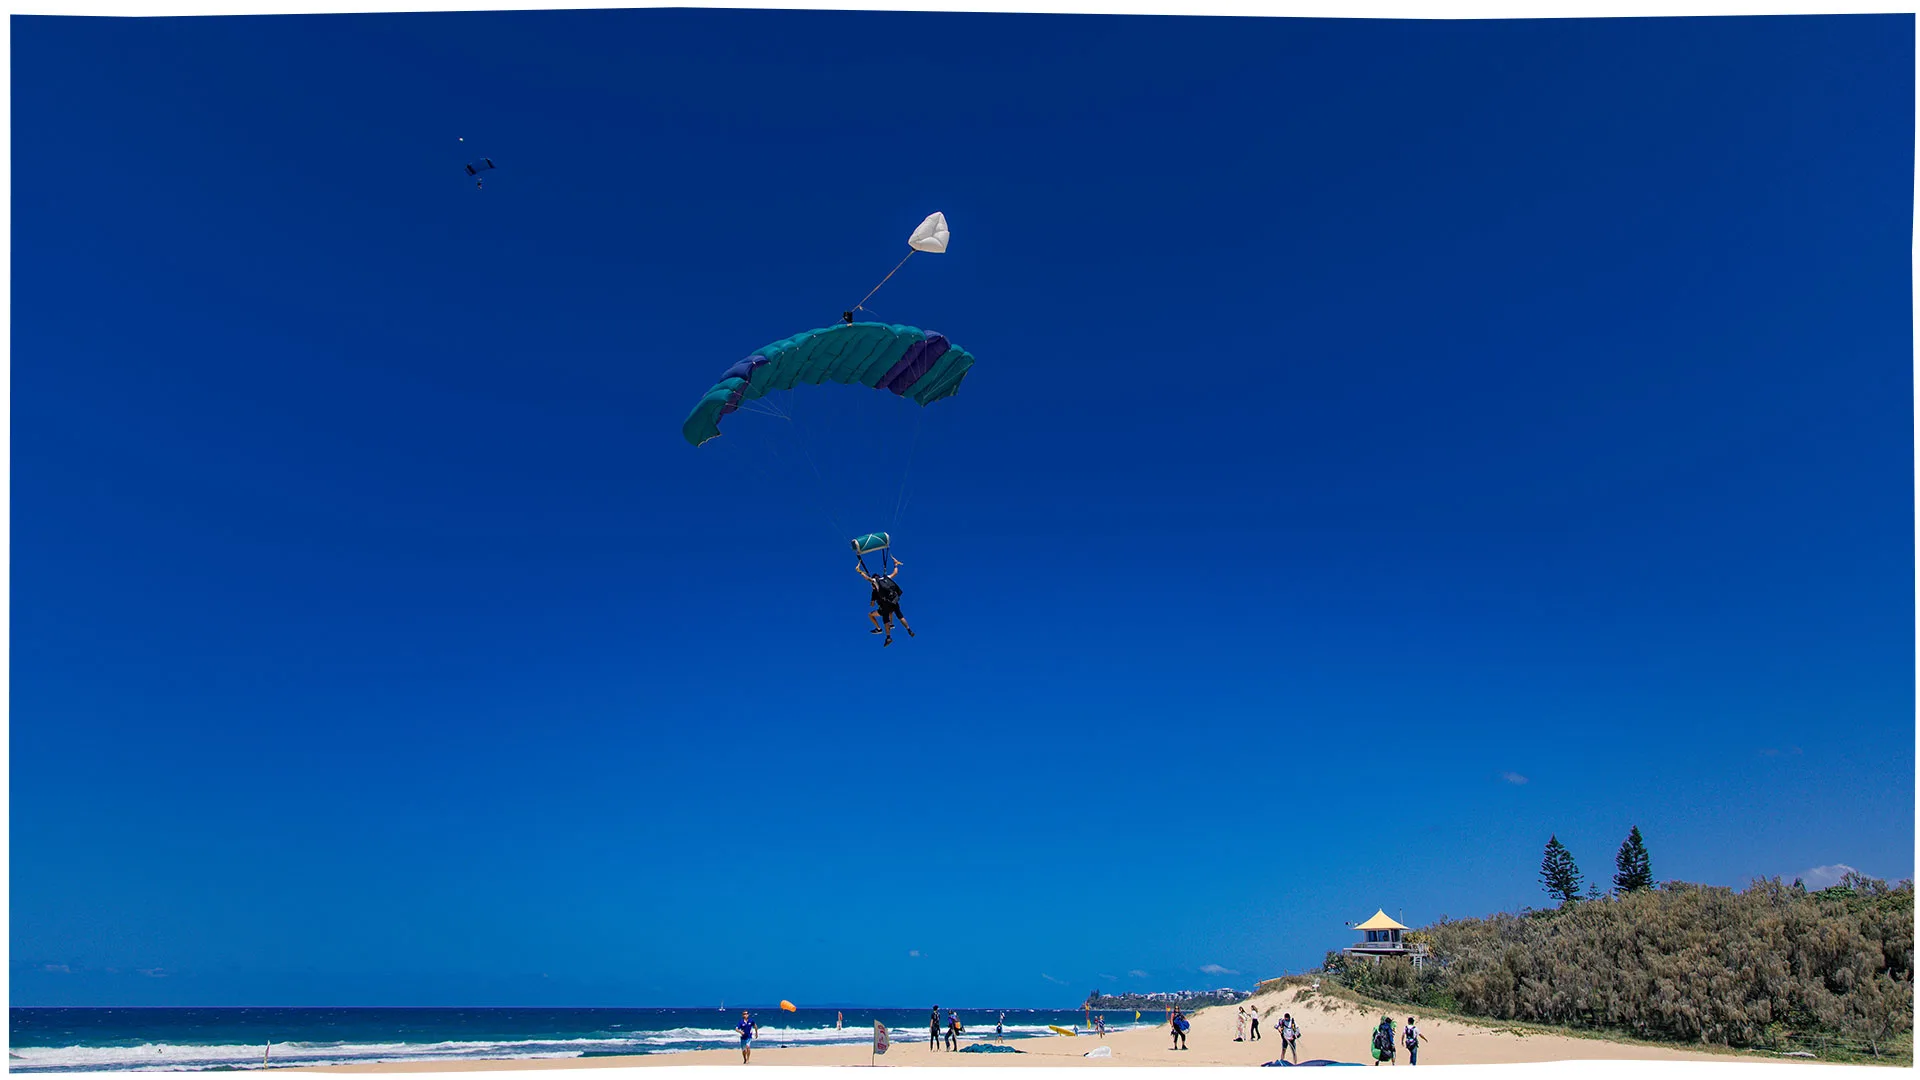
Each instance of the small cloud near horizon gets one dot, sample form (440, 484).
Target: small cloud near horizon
(1216, 969)
(1771, 751)
(57, 969)
(913, 952)
(1051, 979)
(1513, 778)
(1137, 973)
(1822, 877)
(154, 973)
(1110, 978)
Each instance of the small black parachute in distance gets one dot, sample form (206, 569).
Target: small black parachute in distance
(475, 168)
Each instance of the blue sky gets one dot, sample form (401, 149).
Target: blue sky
(1391, 444)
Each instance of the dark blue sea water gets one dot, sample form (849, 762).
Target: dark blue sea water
(62, 1040)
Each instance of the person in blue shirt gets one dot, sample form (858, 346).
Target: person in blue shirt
(746, 1028)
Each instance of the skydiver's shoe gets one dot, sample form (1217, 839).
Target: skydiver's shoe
(910, 632)
(875, 630)
(887, 642)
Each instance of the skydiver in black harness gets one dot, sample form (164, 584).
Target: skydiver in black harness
(886, 601)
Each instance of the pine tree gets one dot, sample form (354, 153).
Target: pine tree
(1633, 869)
(1558, 874)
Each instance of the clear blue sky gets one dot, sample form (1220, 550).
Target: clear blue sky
(1391, 444)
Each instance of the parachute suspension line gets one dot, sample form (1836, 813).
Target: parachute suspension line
(906, 474)
(861, 306)
(821, 498)
(825, 496)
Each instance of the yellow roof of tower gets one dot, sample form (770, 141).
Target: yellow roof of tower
(1380, 922)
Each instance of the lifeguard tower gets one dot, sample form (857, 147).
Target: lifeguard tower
(1385, 938)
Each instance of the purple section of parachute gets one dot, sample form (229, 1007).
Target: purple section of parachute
(920, 358)
(744, 372)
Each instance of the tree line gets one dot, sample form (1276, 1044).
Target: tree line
(1776, 966)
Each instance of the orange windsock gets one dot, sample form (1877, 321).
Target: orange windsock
(788, 1006)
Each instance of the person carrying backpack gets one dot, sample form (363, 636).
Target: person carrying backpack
(1383, 1041)
(1413, 1038)
(886, 601)
(1290, 1037)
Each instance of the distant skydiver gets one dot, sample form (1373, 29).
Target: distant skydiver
(886, 601)
(474, 169)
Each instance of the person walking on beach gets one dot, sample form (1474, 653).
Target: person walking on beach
(1240, 1025)
(933, 1032)
(1413, 1038)
(1253, 1016)
(1179, 1025)
(1383, 1042)
(839, 1018)
(1100, 1024)
(1290, 1037)
(1000, 1027)
(953, 1030)
(746, 1028)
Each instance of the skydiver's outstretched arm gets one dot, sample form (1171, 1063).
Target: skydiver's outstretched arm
(862, 571)
(896, 568)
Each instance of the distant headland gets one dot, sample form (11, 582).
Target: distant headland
(1177, 999)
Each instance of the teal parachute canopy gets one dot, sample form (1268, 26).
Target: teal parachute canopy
(910, 362)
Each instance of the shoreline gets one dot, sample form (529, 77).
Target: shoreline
(1331, 1028)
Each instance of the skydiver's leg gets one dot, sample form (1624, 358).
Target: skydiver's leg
(875, 616)
(903, 621)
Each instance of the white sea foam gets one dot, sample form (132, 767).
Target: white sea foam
(183, 1057)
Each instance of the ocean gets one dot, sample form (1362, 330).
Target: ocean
(68, 1040)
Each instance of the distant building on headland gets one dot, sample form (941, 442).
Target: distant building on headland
(1385, 938)
(1178, 999)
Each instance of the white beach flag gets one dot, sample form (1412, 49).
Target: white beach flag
(879, 1037)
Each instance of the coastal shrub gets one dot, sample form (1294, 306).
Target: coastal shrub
(1775, 966)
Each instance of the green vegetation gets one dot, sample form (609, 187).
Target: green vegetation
(1632, 870)
(1558, 875)
(1775, 967)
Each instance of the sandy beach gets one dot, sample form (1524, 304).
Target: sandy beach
(1329, 1028)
